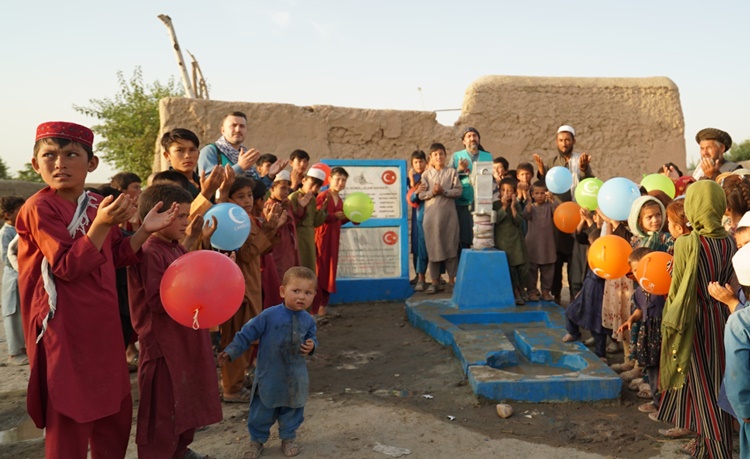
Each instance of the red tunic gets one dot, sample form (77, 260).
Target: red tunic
(186, 352)
(327, 243)
(285, 251)
(84, 373)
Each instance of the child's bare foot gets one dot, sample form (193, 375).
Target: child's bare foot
(322, 311)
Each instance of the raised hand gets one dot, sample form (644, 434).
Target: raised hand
(584, 161)
(277, 167)
(305, 199)
(539, 164)
(113, 211)
(247, 158)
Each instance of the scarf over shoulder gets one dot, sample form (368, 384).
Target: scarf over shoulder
(705, 203)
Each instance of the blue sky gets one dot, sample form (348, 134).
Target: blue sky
(366, 54)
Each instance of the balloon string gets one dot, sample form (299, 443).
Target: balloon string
(195, 320)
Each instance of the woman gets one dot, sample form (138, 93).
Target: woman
(692, 352)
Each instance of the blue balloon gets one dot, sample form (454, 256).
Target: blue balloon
(559, 180)
(616, 197)
(232, 227)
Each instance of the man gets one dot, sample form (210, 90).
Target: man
(574, 257)
(713, 143)
(228, 149)
(463, 161)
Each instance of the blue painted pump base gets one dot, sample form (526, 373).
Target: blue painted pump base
(511, 352)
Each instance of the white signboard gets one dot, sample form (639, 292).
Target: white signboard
(381, 183)
(369, 253)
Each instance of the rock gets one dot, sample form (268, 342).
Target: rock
(504, 411)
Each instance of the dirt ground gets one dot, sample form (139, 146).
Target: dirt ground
(368, 382)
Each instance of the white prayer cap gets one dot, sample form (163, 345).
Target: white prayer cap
(283, 175)
(741, 263)
(742, 172)
(319, 174)
(566, 128)
(745, 220)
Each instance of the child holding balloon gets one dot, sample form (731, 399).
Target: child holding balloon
(540, 241)
(287, 334)
(171, 406)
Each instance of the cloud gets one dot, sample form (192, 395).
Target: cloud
(280, 18)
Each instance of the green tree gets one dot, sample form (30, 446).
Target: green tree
(4, 175)
(130, 122)
(28, 174)
(739, 152)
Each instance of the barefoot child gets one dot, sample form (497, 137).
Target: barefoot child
(69, 245)
(287, 334)
(9, 207)
(171, 405)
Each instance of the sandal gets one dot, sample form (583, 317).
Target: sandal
(645, 394)
(621, 367)
(648, 408)
(256, 448)
(431, 290)
(570, 338)
(243, 396)
(690, 447)
(290, 448)
(635, 384)
(675, 432)
(628, 376)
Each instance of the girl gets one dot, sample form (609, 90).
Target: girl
(438, 189)
(737, 190)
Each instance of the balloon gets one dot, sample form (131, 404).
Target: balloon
(202, 289)
(558, 179)
(587, 191)
(325, 168)
(654, 273)
(659, 182)
(608, 257)
(567, 216)
(233, 226)
(616, 197)
(358, 207)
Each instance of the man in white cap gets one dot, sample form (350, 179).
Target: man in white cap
(578, 164)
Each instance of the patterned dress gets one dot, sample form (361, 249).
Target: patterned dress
(694, 406)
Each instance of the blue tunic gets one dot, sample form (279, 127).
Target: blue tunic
(737, 347)
(281, 371)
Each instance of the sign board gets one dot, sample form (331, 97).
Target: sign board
(373, 256)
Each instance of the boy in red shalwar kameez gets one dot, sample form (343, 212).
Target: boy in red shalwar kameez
(286, 251)
(327, 239)
(69, 246)
(177, 374)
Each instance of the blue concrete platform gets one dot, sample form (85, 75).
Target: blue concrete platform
(511, 352)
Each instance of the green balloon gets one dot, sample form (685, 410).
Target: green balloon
(661, 182)
(358, 207)
(586, 192)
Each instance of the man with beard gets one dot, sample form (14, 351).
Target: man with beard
(713, 143)
(578, 164)
(463, 161)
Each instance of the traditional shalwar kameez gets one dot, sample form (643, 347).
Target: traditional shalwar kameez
(307, 219)
(440, 222)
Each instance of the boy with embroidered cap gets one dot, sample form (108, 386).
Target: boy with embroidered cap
(69, 246)
(286, 251)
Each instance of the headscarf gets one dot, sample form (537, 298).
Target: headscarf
(650, 239)
(705, 203)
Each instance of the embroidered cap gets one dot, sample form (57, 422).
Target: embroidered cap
(65, 130)
(283, 175)
(319, 174)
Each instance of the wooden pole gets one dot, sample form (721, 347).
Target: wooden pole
(199, 83)
(189, 90)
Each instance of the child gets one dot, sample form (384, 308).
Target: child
(499, 171)
(327, 238)
(286, 252)
(307, 216)
(130, 184)
(287, 334)
(647, 310)
(9, 207)
(540, 241)
(172, 406)
(180, 148)
(418, 247)
(264, 164)
(524, 173)
(509, 237)
(677, 222)
(69, 245)
(299, 159)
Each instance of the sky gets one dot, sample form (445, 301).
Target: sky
(404, 55)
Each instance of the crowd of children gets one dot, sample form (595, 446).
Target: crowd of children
(73, 241)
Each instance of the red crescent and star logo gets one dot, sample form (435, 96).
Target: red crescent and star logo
(389, 177)
(390, 238)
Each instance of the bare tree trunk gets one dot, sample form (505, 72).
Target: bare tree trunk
(199, 83)
(189, 90)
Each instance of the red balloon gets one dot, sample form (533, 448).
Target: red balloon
(567, 216)
(608, 257)
(202, 289)
(654, 273)
(325, 168)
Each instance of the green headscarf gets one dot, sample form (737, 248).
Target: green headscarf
(705, 203)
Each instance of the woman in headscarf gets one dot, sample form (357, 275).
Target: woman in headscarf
(692, 352)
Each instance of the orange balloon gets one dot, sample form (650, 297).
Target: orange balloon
(608, 257)
(654, 273)
(567, 216)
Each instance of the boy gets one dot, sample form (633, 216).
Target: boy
(180, 148)
(286, 252)
(508, 236)
(287, 334)
(499, 171)
(418, 244)
(128, 183)
(540, 241)
(264, 164)
(299, 159)
(327, 238)
(9, 207)
(524, 174)
(69, 246)
(177, 377)
(307, 215)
